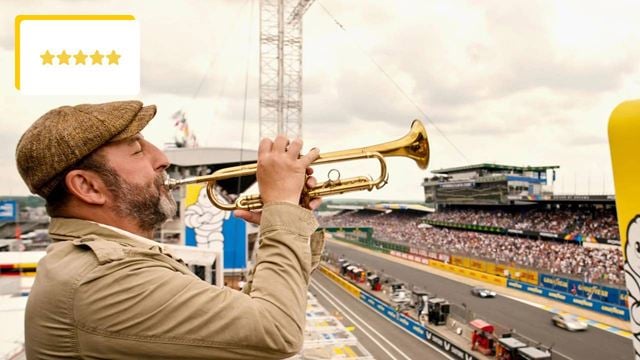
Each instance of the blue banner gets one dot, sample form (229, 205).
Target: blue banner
(585, 290)
(618, 311)
(8, 210)
(235, 243)
(207, 226)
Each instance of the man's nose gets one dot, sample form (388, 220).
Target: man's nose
(160, 160)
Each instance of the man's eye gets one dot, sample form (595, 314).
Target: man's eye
(637, 246)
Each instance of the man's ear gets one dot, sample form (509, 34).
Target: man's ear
(87, 186)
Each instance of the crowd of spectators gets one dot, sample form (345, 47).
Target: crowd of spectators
(600, 223)
(563, 258)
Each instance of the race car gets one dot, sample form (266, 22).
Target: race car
(568, 322)
(483, 292)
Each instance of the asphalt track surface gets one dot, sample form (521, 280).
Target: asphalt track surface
(532, 322)
(379, 336)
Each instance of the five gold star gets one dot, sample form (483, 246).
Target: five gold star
(97, 58)
(80, 58)
(47, 58)
(113, 57)
(63, 58)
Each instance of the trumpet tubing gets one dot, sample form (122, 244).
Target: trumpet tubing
(414, 145)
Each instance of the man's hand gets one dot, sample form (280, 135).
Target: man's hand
(281, 174)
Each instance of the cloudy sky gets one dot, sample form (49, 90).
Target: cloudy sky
(517, 82)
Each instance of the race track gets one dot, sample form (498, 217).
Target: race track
(382, 338)
(532, 322)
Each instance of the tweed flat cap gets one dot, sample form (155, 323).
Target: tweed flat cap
(62, 137)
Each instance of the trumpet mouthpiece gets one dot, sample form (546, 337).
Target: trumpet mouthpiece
(171, 183)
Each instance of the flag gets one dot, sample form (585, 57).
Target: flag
(77, 54)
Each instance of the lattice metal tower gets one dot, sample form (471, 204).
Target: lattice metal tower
(281, 67)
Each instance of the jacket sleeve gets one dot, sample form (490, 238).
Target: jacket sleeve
(317, 247)
(139, 307)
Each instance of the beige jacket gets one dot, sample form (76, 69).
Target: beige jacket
(100, 294)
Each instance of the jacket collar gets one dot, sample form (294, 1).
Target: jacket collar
(61, 229)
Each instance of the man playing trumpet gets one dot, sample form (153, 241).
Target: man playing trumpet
(106, 290)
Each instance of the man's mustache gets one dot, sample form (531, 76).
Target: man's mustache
(158, 181)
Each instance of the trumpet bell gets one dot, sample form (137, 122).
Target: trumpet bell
(414, 145)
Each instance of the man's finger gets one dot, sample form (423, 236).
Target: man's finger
(265, 146)
(280, 144)
(294, 148)
(249, 216)
(310, 157)
(315, 203)
(311, 181)
(309, 171)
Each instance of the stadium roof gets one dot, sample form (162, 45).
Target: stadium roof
(383, 207)
(209, 156)
(346, 207)
(415, 207)
(493, 167)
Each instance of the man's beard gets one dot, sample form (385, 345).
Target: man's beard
(150, 205)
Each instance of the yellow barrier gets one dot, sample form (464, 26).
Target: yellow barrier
(478, 265)
(473, 274)
(25, 266)
(342, 282)
(520, 274)
(457, 260)
(529, 276)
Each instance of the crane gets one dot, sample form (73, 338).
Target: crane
(281, 67)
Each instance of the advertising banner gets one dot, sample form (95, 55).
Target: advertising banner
(497, 280)
(618, 311)
(457, 260)
(586, 290)
(529, 276)
(477, 265)
(8, 210)
(207, 226)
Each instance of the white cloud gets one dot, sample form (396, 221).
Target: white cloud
(522, 83)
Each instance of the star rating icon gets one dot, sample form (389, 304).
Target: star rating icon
(80, 58)
(47, 58)
(96, 58)
(63, 58)
(113, 57)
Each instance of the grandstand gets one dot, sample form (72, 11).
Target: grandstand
(555, 256)
(504, 215)
(487, 184)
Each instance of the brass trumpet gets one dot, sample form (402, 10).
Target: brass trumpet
(414, 145)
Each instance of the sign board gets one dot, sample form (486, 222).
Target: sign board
(207, 226)
(8, 210)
